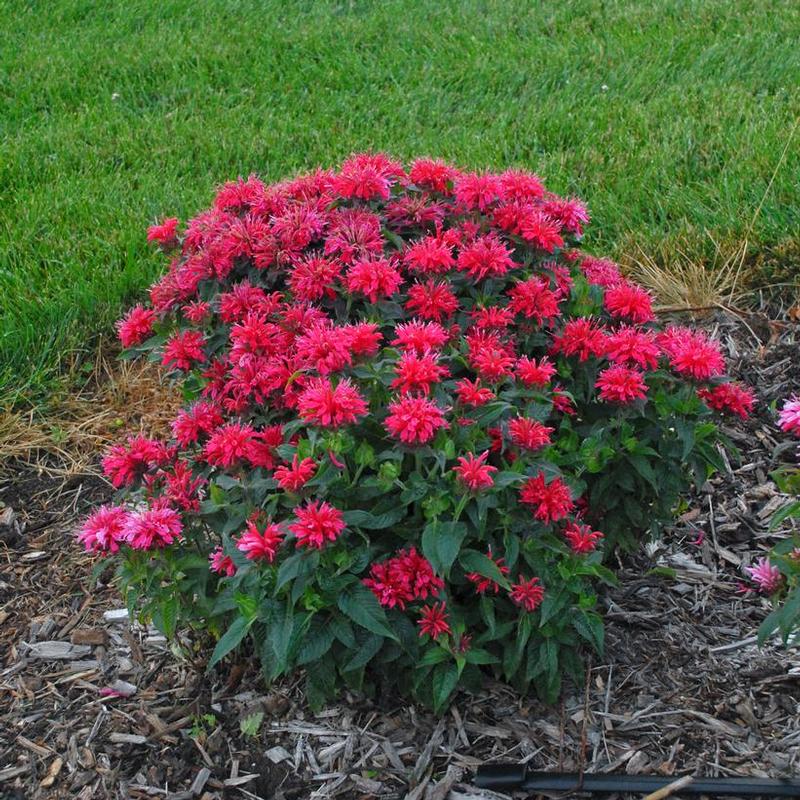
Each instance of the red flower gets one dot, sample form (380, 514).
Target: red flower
(104, 529)
(375, 278)
(691, 353)
(621, 384)
(317, 522)
(474, 473)
(433, 621)
(367, 177)
(182, 488)
(124, 464)
(166, 233)
(571, 213)
(325, 348)
(550, 501)
(197, 312)
(581, 337)
(432, 174)
(477, 192)
(260, 545)
(431, 300)
(534, 373)
(295, 476)
(153, 528)
(322, 403)
(517, 185)
(184, 350)
(313, 278)
(534, 300)
(420, 336)
(430, 256)
(199, 419)
(364, 338)
(582, 539)
(484, 584)
(485, 257)
(628, 345)
(414, 420)
(136, 326)
(416, 373)
(540, 230)
(529, 434)
(471, 393)
(527, 594)
(228, 444)
(492, 318)
(354, 234)
(629, 302)
(729, 397)
(402, 579)
(220, 563)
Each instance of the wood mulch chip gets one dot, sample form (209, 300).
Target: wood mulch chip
(93, 705)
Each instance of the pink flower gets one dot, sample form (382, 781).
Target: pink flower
(313, 278)
(432, 174)
(322, 403)
(629, 302)
(789, 416)
(549, 501)
(431, 300)
(260, 544)
(581, 337)
(198, 420)
(527, 594)
(364, 337)
(582, 539)
(429, 256)
(228, 444)
(534, 299)
(474, 472)
(136, 326)
(630, 346)
(767, 576)
(295, 476)
(325, 348)
(601, 272)
(486, 257)
(165, 233)
(183, 350)
(477, 192)
(530, 434)
(420, 336)
(691, 353)
(471, 393)
(153, 528)
(533, 373)
(621, 384)
(124, 464)
(416, 373)
(317, 522)
(104, 529)
(367, 177)
(374, 278)
(220, 563)
(433, 621)
(414, 420)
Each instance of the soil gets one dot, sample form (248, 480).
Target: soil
(93, 705)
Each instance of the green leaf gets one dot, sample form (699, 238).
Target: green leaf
(445, 679)
(432, 656)
(230, 639)
(365, 652)
(374, 522)
(317, 642)
(590, 627)
(359, 604)
(473, 561)
(441, 542)
(790, 510)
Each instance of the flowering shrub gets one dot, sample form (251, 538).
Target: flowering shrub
(778, 575)
(416, 415)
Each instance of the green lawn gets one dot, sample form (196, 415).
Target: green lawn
(667, 117)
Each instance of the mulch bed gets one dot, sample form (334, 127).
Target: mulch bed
(93, 705)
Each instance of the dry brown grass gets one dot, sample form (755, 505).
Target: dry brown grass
(681, 283)
(121, 397)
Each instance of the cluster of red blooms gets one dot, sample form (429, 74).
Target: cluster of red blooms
(397, 301)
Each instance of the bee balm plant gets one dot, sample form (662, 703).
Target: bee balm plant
(416, 417)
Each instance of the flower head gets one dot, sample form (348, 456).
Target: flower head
(549, 501)
(220, 563)
(414, 420)
(529, 434)
(481, 582)
(317, 522)
(474, 472)
(136, 326)
(433, 621)
(153, 528)
(294, 476)
(730, 398)
(527, 593)
(582, 539)
(621, 384)
(322, 403)
(789, 416)
(767, 576)
(628, 301)
(260, 542)
(104, 529)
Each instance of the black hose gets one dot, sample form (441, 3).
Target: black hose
(510, 777)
